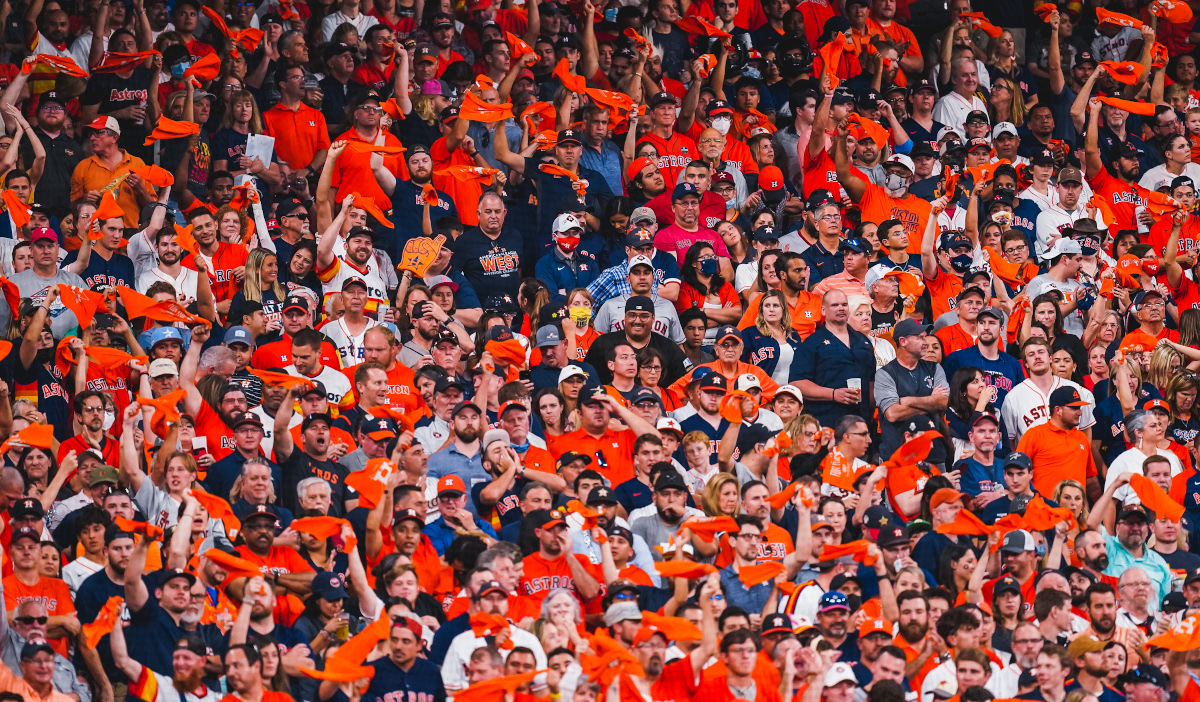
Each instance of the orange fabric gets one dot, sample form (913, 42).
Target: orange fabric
(1172, 11)
(18, 210)
(354, 174)
(104, 622)
(615, 447)
(707, 528)
(234, 566)
(854, 549)
(156, 176)
(1042, 517)
(985, 171)
(218, 508)
(148, 530)
(205, 69)
(51, 592)
(831, 56)
(1104, 16)
(539, 116)
(465, 194)
(1153, 498)
(696, 25)
(674, 628)
(965, 522)
(35, 435)
(299, 133)
(319, 527)
(1057, 455)
(84, 303)
(60, 64)
(838, 471)
(1184, 636)
(684, 569)
(281, 379)
(978, 21)
(170, 129)
(1126, 72)
(476, 110)
(876, 206)
(760, 573)
(370, 482)
(540, 575)
(777, 546)
(248, 39)
(1011, 273)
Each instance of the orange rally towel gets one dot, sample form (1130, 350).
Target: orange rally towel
(170, 129)
(707, 528)
(476, 110)
(218, 508)
(1042, 517)
(364, 148)
(570, 81)
(468, 173)
(700, 27)
(118, 61)
(154, 533)
(1127, 72)
(18, 210)
(205, 69)
(84, 303)
(1154, 498)
(1104, 16)
(516, 46)
(1184, 636)
(235, 567)
(370, 482)
(166, 411)
(1173, 11)
(61, 64)
(1045, 10)
(320, 527)
(35, 435)
(978, 21)
(156, 176)
(760, 573)
(674, 628)
(104, 622)
(855, 549)
(684, 569)
(273, 378)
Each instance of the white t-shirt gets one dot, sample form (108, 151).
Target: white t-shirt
(1159, 176)
(336, 384)
(1131, 462)
(349, 346)
(268, 442)
(185, 284)
(78, 570)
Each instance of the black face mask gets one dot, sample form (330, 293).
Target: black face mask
(1010, 192)
(45, 355)
(855, 601)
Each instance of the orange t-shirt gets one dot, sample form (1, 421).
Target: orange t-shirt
(1057, 455)
(943, 292)
(1122, 198)
(676, 683)
(280, 561)
(538, 459)
(465, 194)
(51, 592)
(806, 314)
(897, 33)
(267, 696)
(221, 269)
(674, 154)
(876, 205)
(402, 392)
(716, 687)
(617, 448)
(352, 172)
(911, 654)
(541, 575)
(777, 546)
(220, 437)
(906, 479)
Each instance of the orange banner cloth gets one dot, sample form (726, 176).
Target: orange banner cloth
(104, 622)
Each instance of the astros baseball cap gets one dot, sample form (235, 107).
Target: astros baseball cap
(1066, 396)
(833, 600)
(109, 123)
(451, 484)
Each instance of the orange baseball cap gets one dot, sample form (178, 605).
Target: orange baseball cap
(451, 483)
(1130, 264)
(1157, 404)
(945, 495)
(875, 626)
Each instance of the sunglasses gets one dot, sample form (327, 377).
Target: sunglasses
(303, 216)
(30, 620)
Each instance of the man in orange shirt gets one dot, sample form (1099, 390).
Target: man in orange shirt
(289, 570)
(881, 21)
(555, 564)
(301, 137)
(353, 172)
(892, 200)
(28, 583)
(107, 163)
(1058, 450)
(964, 333)
(380, 346)
(1121, 191)
(613, 450)
(923, 652)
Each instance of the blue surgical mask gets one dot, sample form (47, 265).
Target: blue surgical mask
(751, 72)
(178, 69)
(961, 263)
(709, 266)
(520, 448)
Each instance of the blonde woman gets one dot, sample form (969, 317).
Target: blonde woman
(771, 343)
(860, 320)
(1070, 495)
(262, 285)
(720, 497)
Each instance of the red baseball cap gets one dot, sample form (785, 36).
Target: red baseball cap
(451, 483)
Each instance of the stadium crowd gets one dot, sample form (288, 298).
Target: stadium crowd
(515, 350)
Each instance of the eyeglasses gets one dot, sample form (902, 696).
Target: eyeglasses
(1026, 642)
(624, 596)
(652, 369)
(835, 217)
(710, 141)
(31, 620)
(369, 109)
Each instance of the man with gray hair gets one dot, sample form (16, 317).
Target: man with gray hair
(219, 360)
(1137, 607)
(314, 494)
(29, 624)
(952, 109)
(492, 598)
(254, 488)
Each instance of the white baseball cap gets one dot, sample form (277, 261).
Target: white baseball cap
(947, 130)
(570, 372)
(875, 274)
(745, 381)
(160, 367)
(902, 160)
(669, 424)
(566, 222)
(791, 390)
(1061, 246)
(838, 673)
(641, 261)
(1004, 128)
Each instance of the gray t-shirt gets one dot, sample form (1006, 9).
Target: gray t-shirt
(611, 317)
(31, 285)
(653, 531)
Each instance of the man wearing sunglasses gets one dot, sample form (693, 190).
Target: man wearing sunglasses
(27, 582)
(352, 173)
(29, 624)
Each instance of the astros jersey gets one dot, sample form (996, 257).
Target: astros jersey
(541, 575)
(349, 346)
(1026, 407)
(343, 269)
(674, 154)
(221, 269)
(337, 387)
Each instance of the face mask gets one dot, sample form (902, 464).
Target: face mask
(1088, 250)
(730, 204)
(722, 124)
(178, 69)
(1002, 218)
(520, 448)
(751, 72)
(961, 263)
(581, 316)
(709, 266)
(568, 243)
(1006, 191)
(109, 419)
(894, 181)
(855, 601)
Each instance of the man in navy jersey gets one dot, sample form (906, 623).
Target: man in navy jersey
(403, 674)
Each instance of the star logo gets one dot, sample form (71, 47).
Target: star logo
(883, 521)
(826, 342)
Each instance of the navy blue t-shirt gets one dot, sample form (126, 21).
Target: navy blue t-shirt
(975, 478)
(491, 266)
(1003, 374)
(421, 682)
(101, 275)
(633, 494)
(408, 210)
(698, 423)
(1109, 429)
(151, 637)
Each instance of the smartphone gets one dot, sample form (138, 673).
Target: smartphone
(199, 446)
(525, 375)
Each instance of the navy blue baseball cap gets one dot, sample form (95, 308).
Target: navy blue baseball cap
(328, 586)
(833, 600)
(684, 189)
(856, 245)
(766, 232)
